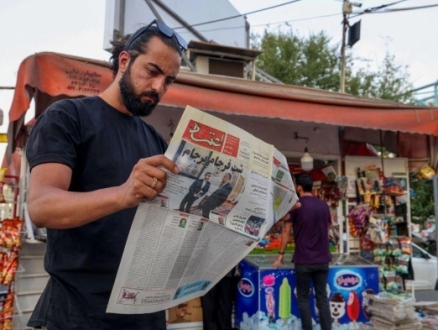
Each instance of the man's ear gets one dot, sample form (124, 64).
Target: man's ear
(124, 59)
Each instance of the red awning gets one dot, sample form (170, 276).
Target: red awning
(50, 76)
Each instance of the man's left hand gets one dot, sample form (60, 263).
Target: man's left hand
(279, 261)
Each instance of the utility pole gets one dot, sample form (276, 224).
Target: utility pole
(347, 8)
(344, 34)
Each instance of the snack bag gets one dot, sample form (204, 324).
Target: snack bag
(403, 263)
(406, 246)
(426, 173)
(9, 268)
(395, 247)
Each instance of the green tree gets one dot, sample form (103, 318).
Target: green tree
(422, 205)
(393, 81)
(311, 62)
(314, 62)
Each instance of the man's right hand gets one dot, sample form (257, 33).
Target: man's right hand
(52, 205)
(147, 180)
(296, 206)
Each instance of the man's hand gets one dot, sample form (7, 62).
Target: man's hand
(285, 217)
(147, 180)
(296, 206)
(279, 261)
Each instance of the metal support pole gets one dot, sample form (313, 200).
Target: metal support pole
(435, 90)
(435, 204)
(382, 161)
(344, 32)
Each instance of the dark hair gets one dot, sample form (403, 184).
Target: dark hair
(139, 46)
(207, 173)
(305, 181)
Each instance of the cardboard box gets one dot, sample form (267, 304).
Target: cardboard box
(191, 311)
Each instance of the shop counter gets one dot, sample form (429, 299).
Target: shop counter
(266, 297)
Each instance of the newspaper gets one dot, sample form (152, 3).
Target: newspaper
(191, 235)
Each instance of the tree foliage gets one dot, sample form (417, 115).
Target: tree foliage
(315, 62)
(422, 205)
(311, 62)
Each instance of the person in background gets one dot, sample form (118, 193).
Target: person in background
(197, 189)
(310, 223)
(217, 304)
(86, 193)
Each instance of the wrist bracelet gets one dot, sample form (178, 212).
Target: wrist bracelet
(279, 252)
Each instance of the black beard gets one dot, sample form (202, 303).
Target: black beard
(132, 101)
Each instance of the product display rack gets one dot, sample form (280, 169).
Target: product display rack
(391, 213)
(392, 168)
(10, 248)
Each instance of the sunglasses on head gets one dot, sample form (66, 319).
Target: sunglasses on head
(164, 29)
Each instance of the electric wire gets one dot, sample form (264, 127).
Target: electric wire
(384, 6)
(376, 10)
(405, 9)
(235, 16)
(373, 10)
(271, 23)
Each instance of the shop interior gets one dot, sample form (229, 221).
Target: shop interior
(370, 208)
(327, 186)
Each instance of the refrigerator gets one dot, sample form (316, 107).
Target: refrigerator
(266, 297)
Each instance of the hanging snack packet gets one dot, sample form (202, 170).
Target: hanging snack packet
(8, 311)
(17, 226)
(10, 233)
(426, 172)
(391, 284)
(9, 268)
(403, 263)
(379, 260)
(395, 247)
(3, 258)
(406, 246)
(379, 250)
(399, 282)
(390, 263)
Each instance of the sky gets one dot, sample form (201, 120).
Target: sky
(76, 27)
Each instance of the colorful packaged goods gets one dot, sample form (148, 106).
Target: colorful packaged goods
(10, 232)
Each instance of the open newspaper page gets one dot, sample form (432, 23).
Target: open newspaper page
(282, 189)
(231, 189)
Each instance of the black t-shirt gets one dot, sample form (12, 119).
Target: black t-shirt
(101, 145)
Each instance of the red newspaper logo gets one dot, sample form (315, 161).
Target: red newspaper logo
(204, 136)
